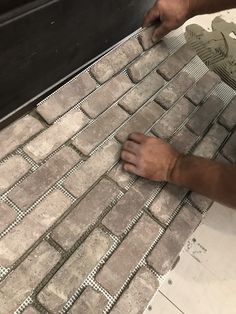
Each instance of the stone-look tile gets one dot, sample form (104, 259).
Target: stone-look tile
(165, 253)
(176, 62)
(106, 95)
(33, 226)
(141, 121)
(222, 159)
(85, 214)
(7, 216)
(116, 60)
(184, 140)
(121, 215)
(229, 150)
(120, 176)
(90, 302)
(142, 92)
(30, 310)
(116, 270)
(228, 117)
(11, 171)
(148, 62)
(145, 38)
(174, 90)
(203, 87)
(167, 202)
(137, 296)
(56, 135)
(97, 132)
(173, 119)
(211, 142)
(92, 169)
(35, 185)
(201, 202)
(71, 275)
(204, 116)
(26, 277)
(18, 133)
(66, 97)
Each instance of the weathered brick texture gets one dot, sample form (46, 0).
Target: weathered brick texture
(31, 310)
(145, 38)
(229, 150)
(201, 202)
(184, 140)
(228, 117)
(120, 176)
(66, 97)
(7, 216)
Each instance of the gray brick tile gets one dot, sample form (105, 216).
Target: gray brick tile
(71, 275)
(201, 202)
(173, 119)
(167, 202)
(11, 171)
(184, 140)
(35, 185)
(20, 283)
(32, 227)
(7, 214)
(120, 176)
(116, 270)
(121, 215)
(148, 62)
(85, 214)
(18, 133)
(145, 38)
(174, 90)
(176, 62)
(134, 99)
(201, 119)
(66, 97)
(139, 293)
(165, 253)
(228, 117)
(89, 172)
(116, 60)
(31, 310)
(229, 150)
(141, 121)
(106, 95)
(56, 135)
(203, 87)
(97, 132)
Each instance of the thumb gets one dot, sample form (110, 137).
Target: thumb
(160, 32)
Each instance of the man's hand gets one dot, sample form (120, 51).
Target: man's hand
(171, 14)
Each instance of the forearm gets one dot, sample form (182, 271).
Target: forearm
(198, 7)
(214, 180)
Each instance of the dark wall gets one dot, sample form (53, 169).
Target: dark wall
(43, 41)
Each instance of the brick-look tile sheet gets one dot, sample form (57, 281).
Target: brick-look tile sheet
(66, 97)
(121, 215)
(141, 121)
(92, 169)
(11, 171)
(184, 140)
(85, 214)
(97, 132)
(20, 283)
(18, 133)
(201, 202)
(202, 88)
(134, 99)
(106, 95)
(35, 185)
(140, 291)
(116, 60)
(145, 38)
(173, 119)
(120, 264)
(148, 62)
(200, 121)
(174, 90)
(7, 216)
(71, 275)
(56, 135)
(33, 226)
(167, 202)
(229, 150)
(30, 310)
(228, 117)
(211, 142)
(176, 62)
(120, 176)
(165, 253)
(90, 302)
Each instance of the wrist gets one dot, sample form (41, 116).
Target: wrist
(173, 174)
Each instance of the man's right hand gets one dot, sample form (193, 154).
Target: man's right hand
(171, 14)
